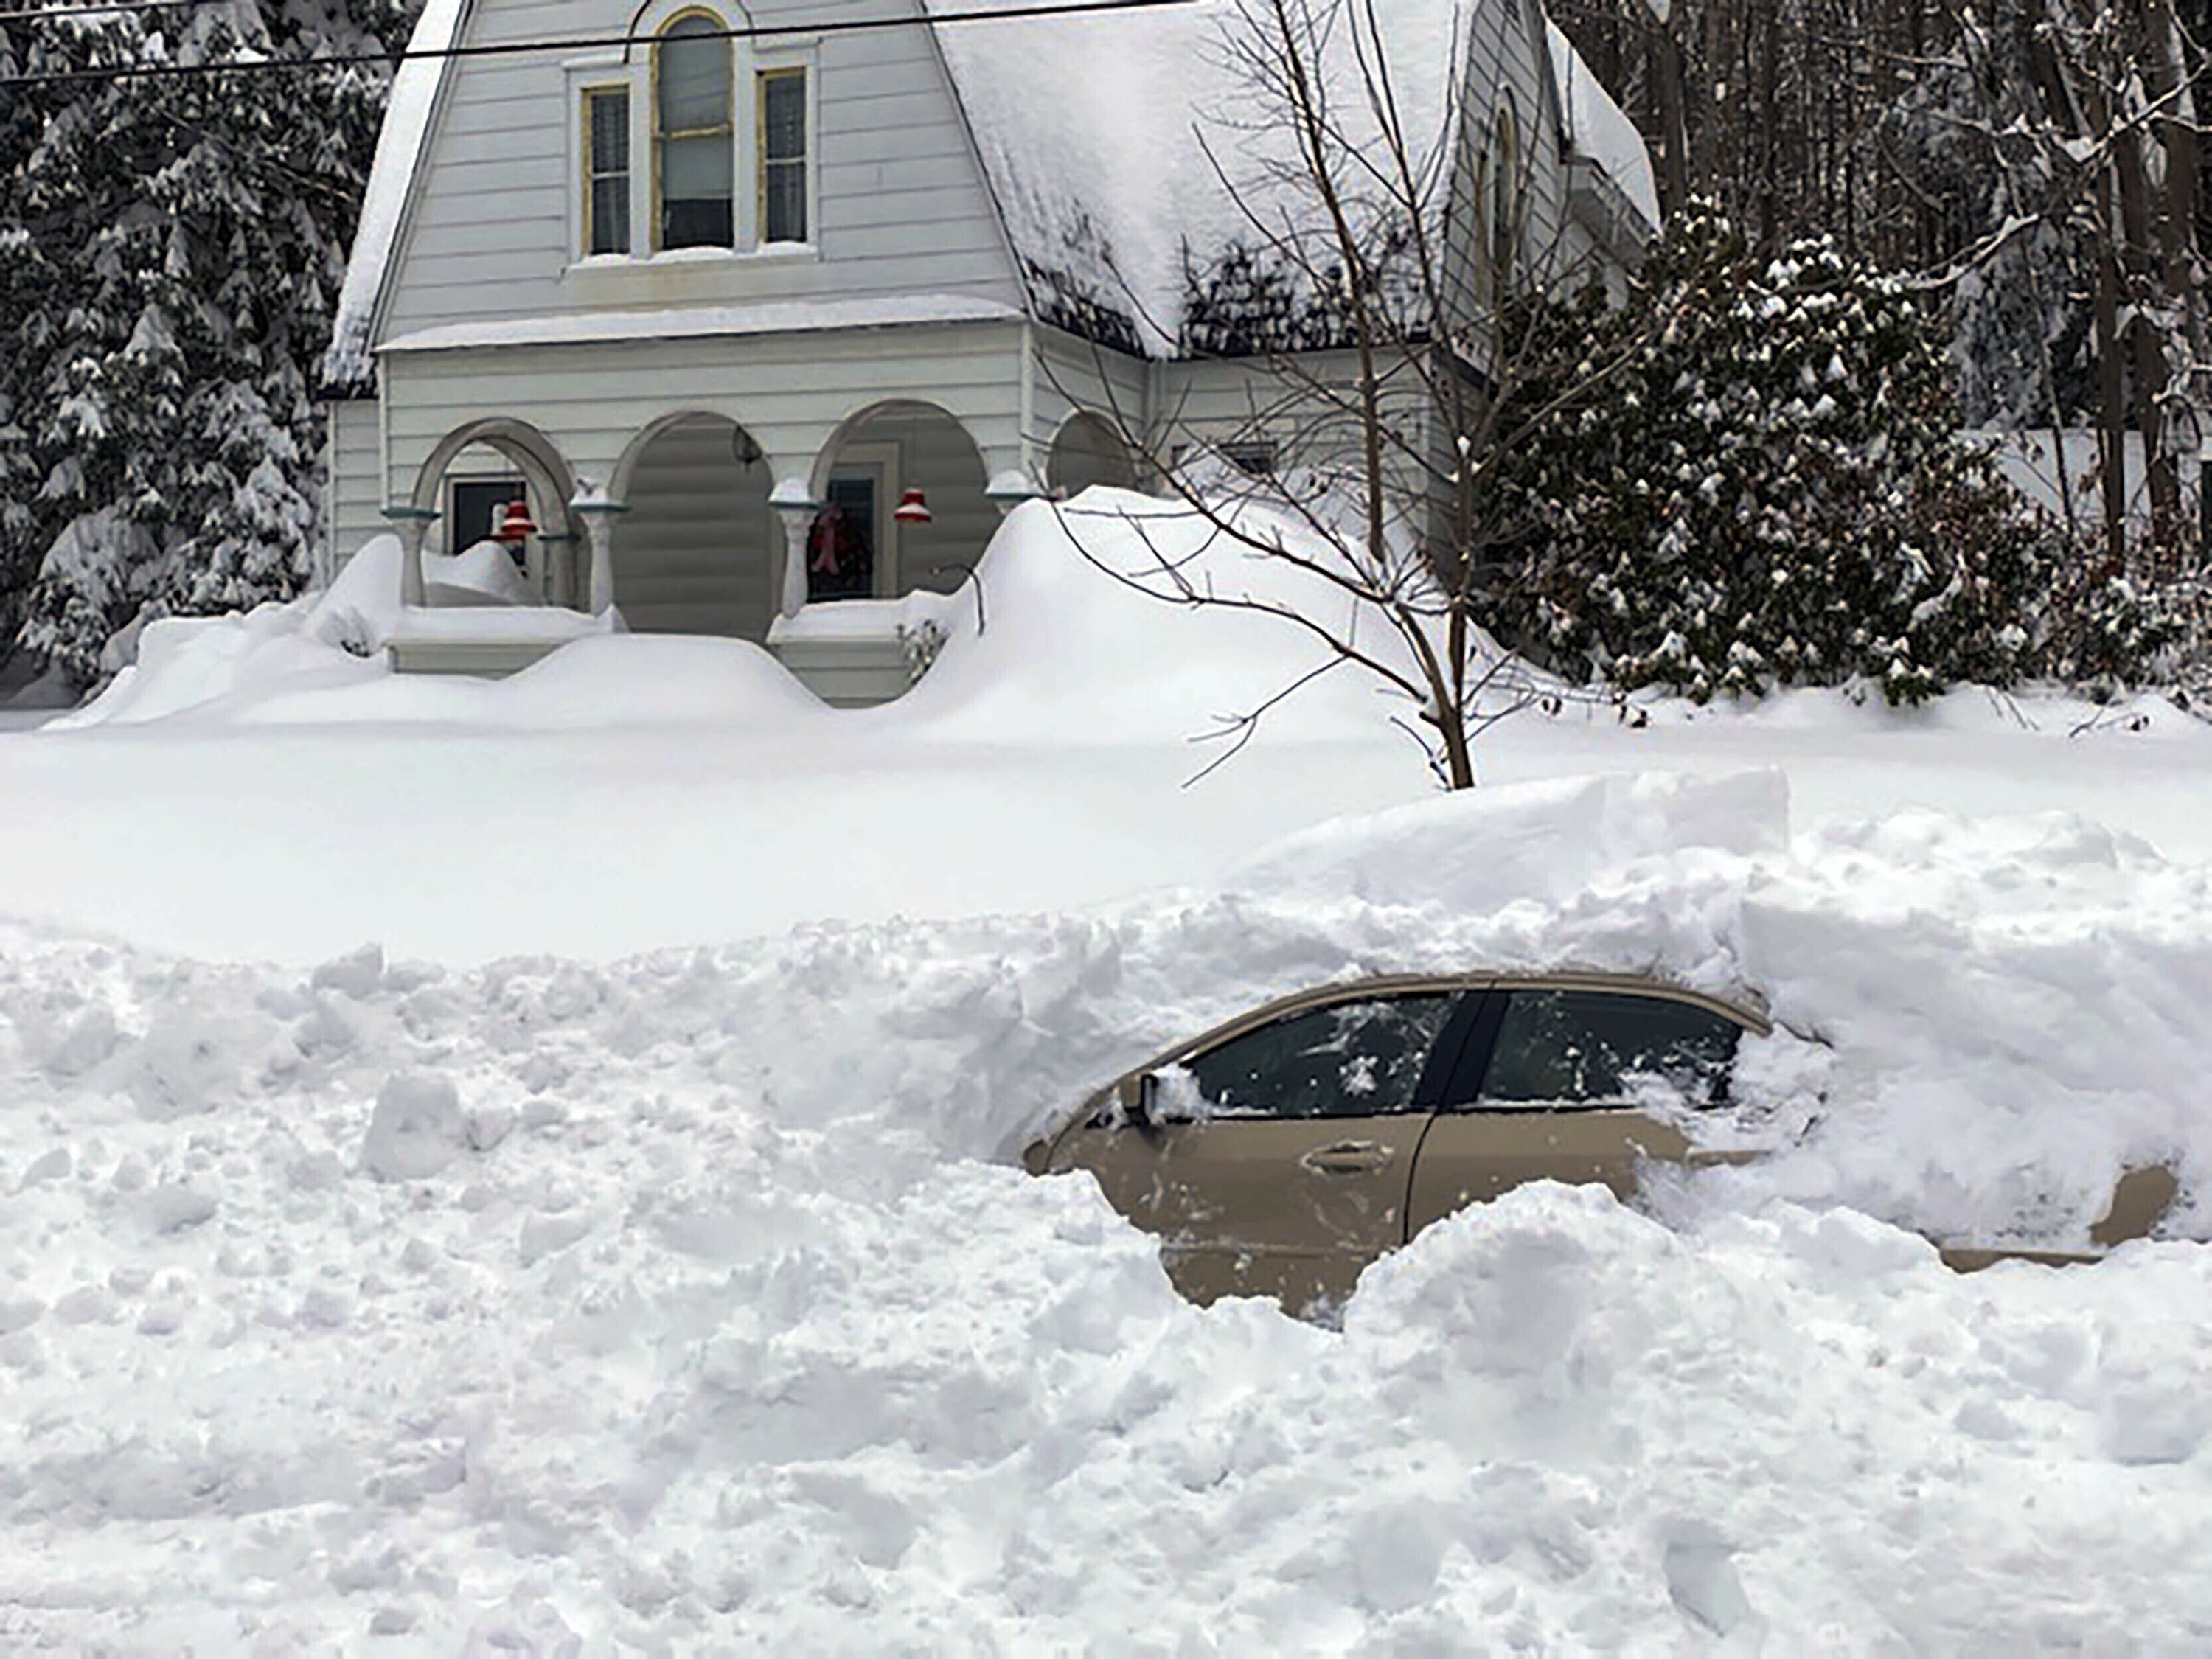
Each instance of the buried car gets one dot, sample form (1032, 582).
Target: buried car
(1282, 1152)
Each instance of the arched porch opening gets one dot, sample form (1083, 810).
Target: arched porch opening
(476, 470)
(858, 548)
(698, 551)
(1088, 450)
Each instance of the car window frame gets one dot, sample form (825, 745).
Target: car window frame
(1463, 1093)
(1441, 1062)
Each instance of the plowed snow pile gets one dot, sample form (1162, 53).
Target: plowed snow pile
(689, 1305)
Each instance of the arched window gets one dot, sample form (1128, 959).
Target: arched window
(693, 134)
(1504, 208)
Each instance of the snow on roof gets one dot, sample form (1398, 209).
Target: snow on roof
(1598, 128)
(1120, 147)
(1126, 153)
(391, 175)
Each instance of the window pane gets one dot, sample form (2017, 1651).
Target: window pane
(1356, 1060)
(695, 169)
(610, 215)
(698, 224)
(695, 78)
(785, 202)
(783, 116)
(609, 132)
(1597, 1048)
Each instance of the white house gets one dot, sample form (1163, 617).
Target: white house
(712, 285)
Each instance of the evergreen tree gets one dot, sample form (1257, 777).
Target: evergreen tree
(170, 253)
(1772, 489)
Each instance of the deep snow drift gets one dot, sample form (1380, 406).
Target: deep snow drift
(681, 1305)
(256, 791)
(685, 1302)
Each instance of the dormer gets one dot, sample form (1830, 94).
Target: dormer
(693, 143)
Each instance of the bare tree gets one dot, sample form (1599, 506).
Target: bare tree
(1397, 272)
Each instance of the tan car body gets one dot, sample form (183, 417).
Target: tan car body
(1295, 1208)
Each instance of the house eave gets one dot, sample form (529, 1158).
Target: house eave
(699, 322)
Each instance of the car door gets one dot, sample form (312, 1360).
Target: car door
(1276, 1162)
(1569, 1083)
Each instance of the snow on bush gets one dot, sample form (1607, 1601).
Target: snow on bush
(723, 1323)
(1750, 474)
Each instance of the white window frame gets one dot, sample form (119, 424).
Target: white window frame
(738, 112)
(606, 72)
(783, 55)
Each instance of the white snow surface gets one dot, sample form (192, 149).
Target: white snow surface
(625, 1253)
(687, 1302)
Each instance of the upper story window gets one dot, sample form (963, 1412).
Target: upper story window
(606, 170)
(693, 135)
(697, 141)
(782, 103)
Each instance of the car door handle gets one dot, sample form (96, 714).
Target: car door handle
(1345, 1158)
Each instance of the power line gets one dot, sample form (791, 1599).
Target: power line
(572, 43)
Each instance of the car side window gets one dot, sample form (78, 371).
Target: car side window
(1350, 1059)
(1594, 1048)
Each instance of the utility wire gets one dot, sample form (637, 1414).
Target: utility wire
(572, 43)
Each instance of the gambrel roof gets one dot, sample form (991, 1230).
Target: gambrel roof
(1131, 153)
(1130, 156)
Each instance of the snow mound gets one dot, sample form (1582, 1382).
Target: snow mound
(194, 665)
(688, 1303)
(1078, 641)
(1542, 842)
(1083, 642)
(319, 661)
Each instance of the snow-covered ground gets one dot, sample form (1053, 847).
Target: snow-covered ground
(623, 1255)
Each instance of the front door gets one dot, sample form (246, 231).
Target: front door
(1573, 1086)
(1277, 1162)
(841, 551)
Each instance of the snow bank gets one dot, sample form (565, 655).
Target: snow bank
(1076, 647)
(193, 664)
(1078, 643)
(592, 683)
(668, 1304)
(319, 661)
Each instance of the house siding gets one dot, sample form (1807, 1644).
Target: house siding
(1072, 376)
(1505, 59)
(900, 208)
(789, 391)
(352, 503)
(700, 550)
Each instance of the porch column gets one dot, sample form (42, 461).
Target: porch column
(599, 511)
(413, 524)
(795, 506)
(1009, 488)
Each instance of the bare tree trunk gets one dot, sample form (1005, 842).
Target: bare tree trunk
(2164, 78)
(1674, 136)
